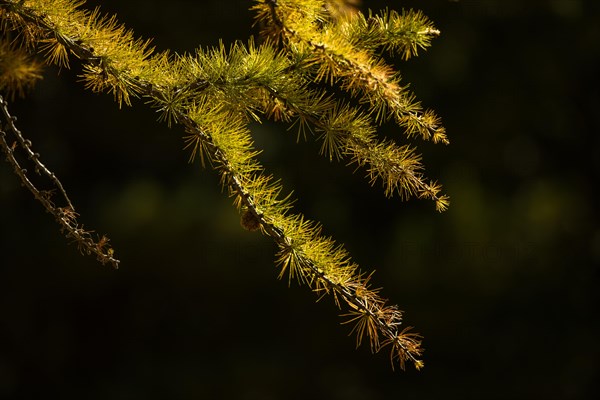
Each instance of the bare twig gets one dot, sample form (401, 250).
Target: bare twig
(65, 216)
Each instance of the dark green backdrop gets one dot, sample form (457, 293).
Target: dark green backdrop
(503, 286)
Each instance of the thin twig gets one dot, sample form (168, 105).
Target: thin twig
(65, 216)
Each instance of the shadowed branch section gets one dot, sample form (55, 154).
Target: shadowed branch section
(215, 93)
(65, 216)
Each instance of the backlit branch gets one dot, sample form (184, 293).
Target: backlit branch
(215, 93)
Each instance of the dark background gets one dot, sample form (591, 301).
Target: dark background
(503, 286)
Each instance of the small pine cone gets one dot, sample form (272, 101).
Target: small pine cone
(249, 221)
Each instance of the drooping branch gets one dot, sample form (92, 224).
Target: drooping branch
(66, 216)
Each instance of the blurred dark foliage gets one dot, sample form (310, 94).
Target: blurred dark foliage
(503, 286)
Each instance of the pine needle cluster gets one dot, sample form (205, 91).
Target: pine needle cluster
(18, 71)
(310, 49)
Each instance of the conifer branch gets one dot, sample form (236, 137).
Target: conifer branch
(66, 216)
(334, 55)
(403, 33)
(281, 92)
(214, 95)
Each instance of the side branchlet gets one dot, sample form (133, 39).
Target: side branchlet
(66, 216)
